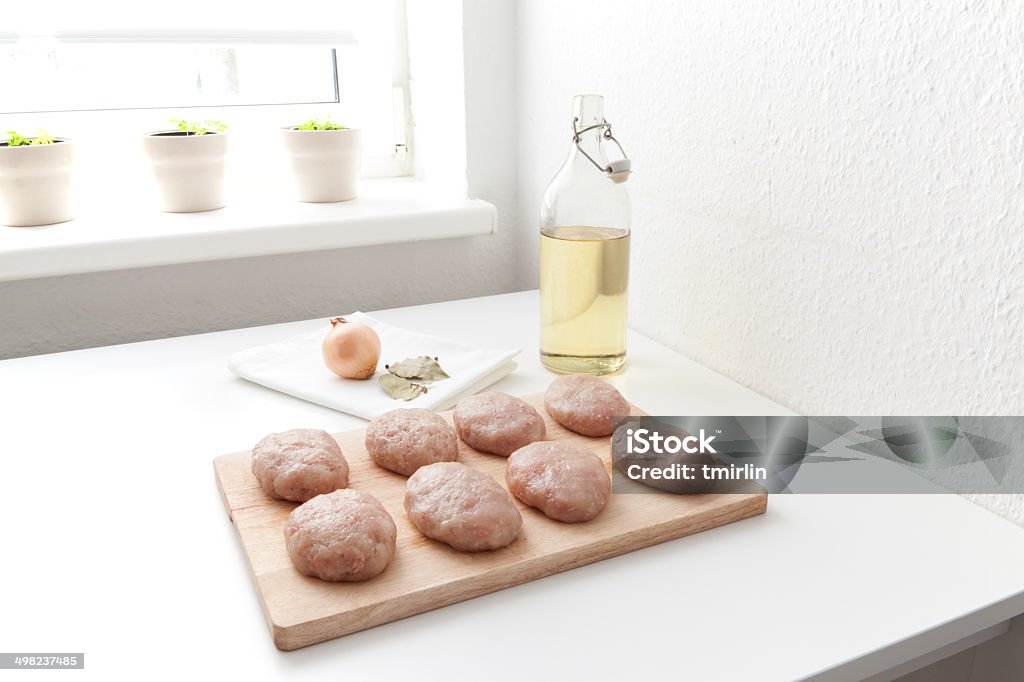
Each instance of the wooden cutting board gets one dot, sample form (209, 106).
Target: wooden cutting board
(425, 574)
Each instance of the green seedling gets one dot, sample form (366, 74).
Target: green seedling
(16, 140)
(199, 127)
(320, 124)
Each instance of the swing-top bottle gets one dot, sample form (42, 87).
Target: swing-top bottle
(584, 251)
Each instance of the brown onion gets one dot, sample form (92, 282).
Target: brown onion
(351, 349)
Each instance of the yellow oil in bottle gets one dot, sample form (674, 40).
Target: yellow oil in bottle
(584, 288)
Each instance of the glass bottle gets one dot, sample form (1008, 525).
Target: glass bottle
(584, 251)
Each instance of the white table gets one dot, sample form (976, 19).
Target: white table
(116, 543)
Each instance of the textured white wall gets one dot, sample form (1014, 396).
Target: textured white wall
(828, 196)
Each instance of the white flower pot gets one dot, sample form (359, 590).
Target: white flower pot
(325, 162)
(35, 184)
(189, 169)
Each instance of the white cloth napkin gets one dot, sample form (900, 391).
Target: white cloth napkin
(295, 366)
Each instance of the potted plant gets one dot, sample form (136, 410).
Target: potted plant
(188, 164)
(325, 159)
(35, 179)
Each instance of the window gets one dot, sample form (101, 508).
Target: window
(105, 73)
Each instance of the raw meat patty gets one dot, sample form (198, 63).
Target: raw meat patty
(567, 482)
(461, 507)
(497, 423)
(300, 464)
(404, 440)
(341, 536)
(585, 404)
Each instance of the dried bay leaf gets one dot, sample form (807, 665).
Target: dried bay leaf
(421, 368)
(400, 388)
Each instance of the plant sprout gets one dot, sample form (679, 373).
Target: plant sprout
(17, 140)
(199, 127)
(320, 124)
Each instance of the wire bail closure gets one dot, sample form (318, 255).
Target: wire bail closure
(618, 171)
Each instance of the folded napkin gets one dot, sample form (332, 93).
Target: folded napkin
(295, 366)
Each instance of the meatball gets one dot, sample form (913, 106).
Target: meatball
(404, 440)
(585, 404)
(497, 423)
(461, 507)
(341, 536)
(566, 482)
(300, 464)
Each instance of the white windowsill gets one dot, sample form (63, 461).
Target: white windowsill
(114, 238)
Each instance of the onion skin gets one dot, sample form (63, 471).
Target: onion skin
(351, 349)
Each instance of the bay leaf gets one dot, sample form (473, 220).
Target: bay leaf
(400, 388)
(421, 368)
